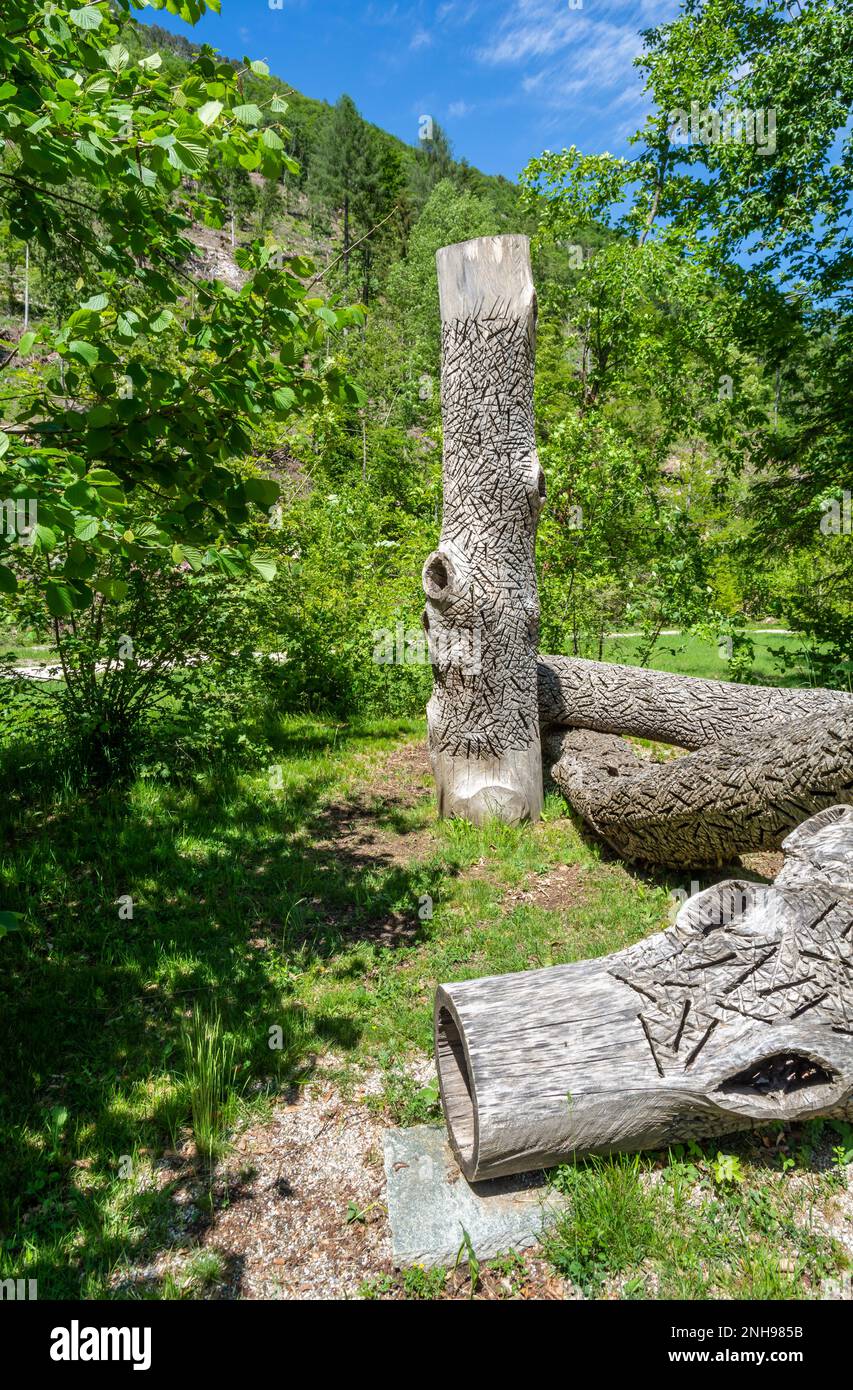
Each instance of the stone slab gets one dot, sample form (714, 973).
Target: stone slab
(429, 1202)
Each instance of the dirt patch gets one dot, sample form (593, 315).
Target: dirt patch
(299, 1212)
(369, 825)
(764, 864)
(308, 1220)
(557, 890)
(405, 776)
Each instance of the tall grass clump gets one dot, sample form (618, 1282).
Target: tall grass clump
(210, 1071)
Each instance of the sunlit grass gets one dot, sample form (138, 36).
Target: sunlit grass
(691, 656)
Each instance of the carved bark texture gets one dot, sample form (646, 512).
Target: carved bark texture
(739, 1014)
(683, 710)
(482, 610)
(706, 807)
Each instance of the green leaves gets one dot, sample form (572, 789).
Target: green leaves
(87, 17)
(61, 599)
(110, 587)
(116, 57)
(143, 404)
(264, 564)
(248, 114)
(84, 352)
(727, 1170)
(9, 921)
(188, 554)
(263, 491)
(208, 113)
(86, 527)
(102, 477)
(163, 320)
(188, 156)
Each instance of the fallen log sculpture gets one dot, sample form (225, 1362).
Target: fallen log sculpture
(482, 609)
(688, 711)
(727, 799)
(739, 1014)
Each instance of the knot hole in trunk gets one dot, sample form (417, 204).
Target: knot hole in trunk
(437, 577)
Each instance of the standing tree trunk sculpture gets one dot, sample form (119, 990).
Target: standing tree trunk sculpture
(482, 609)
(739, 1014)
(490, 693)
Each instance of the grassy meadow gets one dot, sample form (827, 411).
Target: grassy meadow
(171, 929)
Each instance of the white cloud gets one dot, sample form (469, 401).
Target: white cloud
(420, 39)
(456, 13)
(569, 56)
(459, 108)
(603, 63)
(382, 14)
(531, 29)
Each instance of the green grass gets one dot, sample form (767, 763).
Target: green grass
(18, 645)
(233, 894)
(697, 1223)
(231, 905)
(691, 656)
(211, 1078)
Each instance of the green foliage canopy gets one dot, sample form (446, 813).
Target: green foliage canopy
(128, 419)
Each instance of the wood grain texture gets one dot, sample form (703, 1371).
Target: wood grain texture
(739, 1014)
(688, 711)
(482, 609)
(705, 808)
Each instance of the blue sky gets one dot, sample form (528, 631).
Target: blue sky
(506, 78)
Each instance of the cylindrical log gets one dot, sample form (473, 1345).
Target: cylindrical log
(482, 610)
(739, 1014)
(688, 711)
(706, 807)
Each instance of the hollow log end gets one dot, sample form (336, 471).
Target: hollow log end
(458, 1097)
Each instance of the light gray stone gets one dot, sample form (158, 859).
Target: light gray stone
(429, 1203)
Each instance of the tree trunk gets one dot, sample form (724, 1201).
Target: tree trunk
(683, 710)
(482, 610)
(739, 1014)
(26, 286)
(708, 806)
(346, 241)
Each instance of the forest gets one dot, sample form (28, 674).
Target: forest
(223, 881)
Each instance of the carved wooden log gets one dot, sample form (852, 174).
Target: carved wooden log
(739, 1014)
(684, 710)
(482, 610)
(708, 806)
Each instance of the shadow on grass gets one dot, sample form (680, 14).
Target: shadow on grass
(141, 905)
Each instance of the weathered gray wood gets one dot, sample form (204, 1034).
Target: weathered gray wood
(685, 710)
(740, 1013)
(709, 806)
(482, 610)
